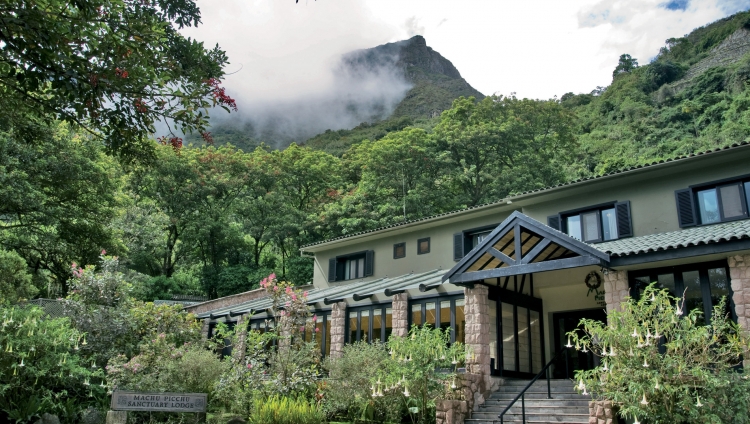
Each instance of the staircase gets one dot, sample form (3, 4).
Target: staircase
(566, 405)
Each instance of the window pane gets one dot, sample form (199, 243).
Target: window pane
(731, 201)
(509, 337)
(416, 314)
(347, 270)
(708, 205)
(590, 226)
(352, 327)
(360, 267)
(693, 294)
(747, 195)
(609, 224)
(364, 323)
(477, 238)
(460, 328)
(445, 314)
(641, 283)
(377, 324)
(523, 340)
(574, 226)
(536, 343)
(388, 323)
(719, 283)
(328, 334)
(430, 317)
(494, 335)
(666, 281)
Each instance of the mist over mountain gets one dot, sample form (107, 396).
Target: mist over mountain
(405, 79)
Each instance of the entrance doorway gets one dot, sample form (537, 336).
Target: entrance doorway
(517, 350)
(563, 323)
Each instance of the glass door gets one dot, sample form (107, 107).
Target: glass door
(516, 345)
(563, 323)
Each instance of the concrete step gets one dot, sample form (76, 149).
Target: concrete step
(542, 395)
(534, 410)
(541, 403)
(545, 418)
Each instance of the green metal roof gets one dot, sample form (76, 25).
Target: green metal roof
(694, 236)
(339, 292)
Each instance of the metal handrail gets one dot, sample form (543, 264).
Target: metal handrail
(533, 380)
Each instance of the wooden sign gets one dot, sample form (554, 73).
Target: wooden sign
(158, 402)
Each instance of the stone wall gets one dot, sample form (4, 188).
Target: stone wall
(602, 412)
(451, 411)
(615, 289)
(338, 329)
(400, 314)
(739, 272)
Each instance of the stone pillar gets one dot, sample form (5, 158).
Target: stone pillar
(400, 311)
(338, 329)
(601, 412)
(739, 272)
(478, 339)
(616, 289)
(450, 411)
(238, 345)
(204, 328)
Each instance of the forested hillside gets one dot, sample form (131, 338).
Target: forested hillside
(214, 220)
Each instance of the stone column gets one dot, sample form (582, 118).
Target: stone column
(739, 272)
(238, 345)
(400, 317)
(204, 328)
(478, 339)
(602, 412)
(338, 329)
(616, 289)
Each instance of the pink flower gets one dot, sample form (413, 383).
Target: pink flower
(272, 276)
(317, 330)
(283, 313)
(249, 366)
(302, 329)
(275, 288)
(305, 294)
(104, 252)
(288, 303)
(294, 297)
(73, 265)
(315, 318)
(288, 290)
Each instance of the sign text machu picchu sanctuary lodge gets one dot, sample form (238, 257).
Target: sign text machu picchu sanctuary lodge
(158, 402)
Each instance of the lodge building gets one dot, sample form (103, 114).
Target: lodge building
(512, 277)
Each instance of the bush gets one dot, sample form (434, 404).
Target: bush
(347, 393)
(661, 364)
(15, 281)
(286, 410)
(40, 369)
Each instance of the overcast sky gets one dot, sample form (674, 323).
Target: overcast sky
(536, 48)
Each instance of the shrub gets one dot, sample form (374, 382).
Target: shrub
(40, 370)
(348, 392)
(661, 365)
(286, 410)
(15, 281)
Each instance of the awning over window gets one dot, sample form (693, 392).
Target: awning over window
(522, 245)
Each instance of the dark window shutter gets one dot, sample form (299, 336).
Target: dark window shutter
(369, 263)
(332, 269)
(624, 219)
(554, 222)
(685, 208)
(458, 246)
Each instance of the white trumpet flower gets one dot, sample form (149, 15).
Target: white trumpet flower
(644, 402)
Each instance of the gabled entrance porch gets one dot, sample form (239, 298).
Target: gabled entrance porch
(524, 270)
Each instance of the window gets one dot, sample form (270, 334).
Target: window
(368, 323)
(444, 312)
(710, 203)
(399, 250)
(703, 285)
(350, 267)
(605, 222)
(423, 246)
(466, 240)
(321, 332)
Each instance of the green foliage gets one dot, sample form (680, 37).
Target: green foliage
(626, 65)
(112, 68)
(420, 369)
(15, 280)
(663, 367)
(286, 410)
(347, 394)
(40, 368)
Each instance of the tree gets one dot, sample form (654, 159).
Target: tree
(15, 280)
(112, 67)
(57, 197)
(502, 145)
(626, 65)
(659, 364)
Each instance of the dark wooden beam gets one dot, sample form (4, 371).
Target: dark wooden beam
(576, 262)
(328, 301)
(425, 288)
(389, 292)
(358, 297)
(502, 256)
(533, 253)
